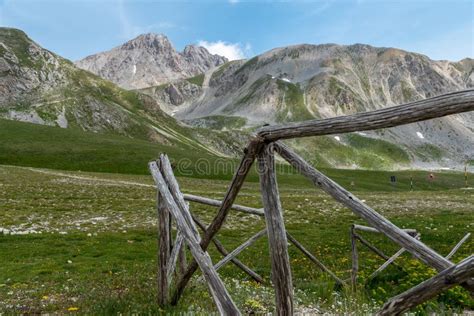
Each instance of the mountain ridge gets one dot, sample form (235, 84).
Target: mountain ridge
(219, 108)
(41, 87)
(149, 59)
(305, 81)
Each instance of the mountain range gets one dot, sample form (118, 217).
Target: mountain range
(38, 86)
(318, 81)
(146, 89)
(149, 60)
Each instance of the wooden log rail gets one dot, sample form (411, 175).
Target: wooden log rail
(277, 241)
(428, 289)
(412, 245)
(451, 103)
(212, 202)
(259, 212)
(174, 202)
(458, 245)
(250, 153)
(409, 231)
(446, 104)
(390, 260)
(225, 253)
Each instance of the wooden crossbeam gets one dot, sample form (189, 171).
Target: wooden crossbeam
(374, 230)
(458, 245)
(216, 203)
(428, 289)
(225, 253)
(390, 260)
(311, 257)
(221, 297)
(446, 104)
(175, 252)
(412, 245)
(240, 174)
(239, 249)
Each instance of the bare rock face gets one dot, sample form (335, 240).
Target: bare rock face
(318, 81)
(38, 86)
(149, 60)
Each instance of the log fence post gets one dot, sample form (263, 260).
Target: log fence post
(277, 241)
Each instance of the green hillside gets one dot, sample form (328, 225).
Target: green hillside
(58, 93)
(25, 144)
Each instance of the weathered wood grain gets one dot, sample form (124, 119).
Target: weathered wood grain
(389, 261)
(212, 202)
(179, 243)
(412, 245)
(446, 104)
(221, 297)
(238, 179)
(374, 249)
(224, 252)
(164, 240)
(278, 244)
(458, 245)
(355, 259)
(239, 249)
(167, 172)
(315, 260)
(374, 230)
(428, 289)
(181, 261)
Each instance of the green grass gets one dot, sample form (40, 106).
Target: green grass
(19, 42)
(197, 80)
(97, 249)
(219, 122)
(380, 147)
(25, 144)
(429, 152)
(352, 150)
(294, 107)
(216, 74)
(73, 149)
(248, 65)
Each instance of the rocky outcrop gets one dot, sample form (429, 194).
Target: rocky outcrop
(318, 81)
(149, 60)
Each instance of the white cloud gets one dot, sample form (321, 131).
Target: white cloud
(232, 51)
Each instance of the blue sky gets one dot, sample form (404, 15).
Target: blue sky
(237, 28)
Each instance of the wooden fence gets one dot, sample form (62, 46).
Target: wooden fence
(262, 147)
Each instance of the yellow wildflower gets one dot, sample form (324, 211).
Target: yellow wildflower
(73, 309)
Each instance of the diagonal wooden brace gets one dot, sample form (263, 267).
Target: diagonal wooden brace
(221, 297)
(412, 245)
(428, 289)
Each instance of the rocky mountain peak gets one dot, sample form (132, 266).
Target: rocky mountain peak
(150, 60)
(153, 41)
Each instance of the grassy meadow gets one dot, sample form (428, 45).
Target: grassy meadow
(78, 228)
(86, 242)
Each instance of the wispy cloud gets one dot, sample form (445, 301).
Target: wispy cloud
(231, 51)
(130, 29)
